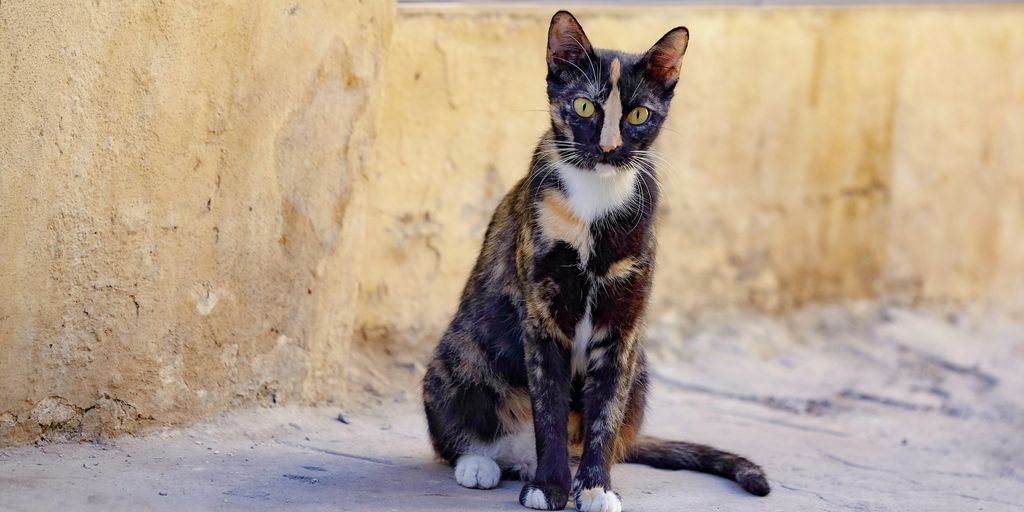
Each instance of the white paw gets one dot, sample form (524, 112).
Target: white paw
(535, 499)
(477, 472)
(597, 499)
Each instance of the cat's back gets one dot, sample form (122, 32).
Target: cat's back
(490, 312)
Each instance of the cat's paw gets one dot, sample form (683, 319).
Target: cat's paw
(597, 499)
(476, 472)
(540, 496)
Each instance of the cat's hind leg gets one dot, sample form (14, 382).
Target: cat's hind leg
(510, 455)
(457, 416)
(481, 428)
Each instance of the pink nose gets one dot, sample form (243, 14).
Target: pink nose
(610, 139)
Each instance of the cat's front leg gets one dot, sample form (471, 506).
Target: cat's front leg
(547, 366)
(605, 394)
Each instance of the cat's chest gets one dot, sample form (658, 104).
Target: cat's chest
(577, 256)
(590, 249)
(578, 214)
(594, 194)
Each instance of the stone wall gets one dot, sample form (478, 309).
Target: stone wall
(812, 155)
(181, 205)
(206, 207)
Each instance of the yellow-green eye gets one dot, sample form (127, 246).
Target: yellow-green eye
(638, 115)
(583, 107)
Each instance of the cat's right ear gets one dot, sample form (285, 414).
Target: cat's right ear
(665, 57)
(567, 44)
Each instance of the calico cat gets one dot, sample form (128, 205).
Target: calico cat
(543, 361)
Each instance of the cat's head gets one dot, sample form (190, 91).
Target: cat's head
(607, 107)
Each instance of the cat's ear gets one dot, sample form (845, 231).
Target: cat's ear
(665, 57)
(567, 44)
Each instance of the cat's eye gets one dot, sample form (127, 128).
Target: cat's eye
(638, 115)
(583, 107)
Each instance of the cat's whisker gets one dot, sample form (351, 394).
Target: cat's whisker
(541, 173)
(587, 53)
(640, 208)
(655, 177)
(673, 130)
(652, 157)
(657, 160)
(556, 141)
(638, 84)
(653, 161)
(565, 145)
(584, 73)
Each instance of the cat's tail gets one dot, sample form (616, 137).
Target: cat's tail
(662, 454)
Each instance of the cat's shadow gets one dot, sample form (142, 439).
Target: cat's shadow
(310, 482)
(362, 485)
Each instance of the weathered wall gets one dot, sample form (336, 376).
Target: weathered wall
(814, 154)
(180, 206)
(199, 203)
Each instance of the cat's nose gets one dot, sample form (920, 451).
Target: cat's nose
(610, 147)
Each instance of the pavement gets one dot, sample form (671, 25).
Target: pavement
(861, 407)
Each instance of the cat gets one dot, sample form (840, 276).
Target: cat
(543, 361)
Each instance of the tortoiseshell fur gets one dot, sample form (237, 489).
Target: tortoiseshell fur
(543, 361)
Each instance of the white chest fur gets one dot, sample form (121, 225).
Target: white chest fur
(581, 342)
(594, 194)
(591, 195)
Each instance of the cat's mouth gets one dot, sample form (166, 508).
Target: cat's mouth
(605, 170)
(602, 164)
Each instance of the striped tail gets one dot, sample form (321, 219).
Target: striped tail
(662, 454)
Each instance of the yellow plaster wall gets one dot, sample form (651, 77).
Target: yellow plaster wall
(811, 155)
(181, 201)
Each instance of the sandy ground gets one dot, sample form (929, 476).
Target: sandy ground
(862, 408)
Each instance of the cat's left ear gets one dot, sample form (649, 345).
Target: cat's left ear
(666, 56)
(567, 44)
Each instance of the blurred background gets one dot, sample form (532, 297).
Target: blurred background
(205, 206)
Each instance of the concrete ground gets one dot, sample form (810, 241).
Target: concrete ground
(861, 407)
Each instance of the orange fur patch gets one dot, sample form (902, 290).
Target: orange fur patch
(615, 72)
(558, 222)
(575, 428)
(622, 268)
(556, 203)
(611, 137)
(515, 411)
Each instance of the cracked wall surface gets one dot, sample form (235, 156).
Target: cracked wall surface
(810, 155)
(180, 205)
